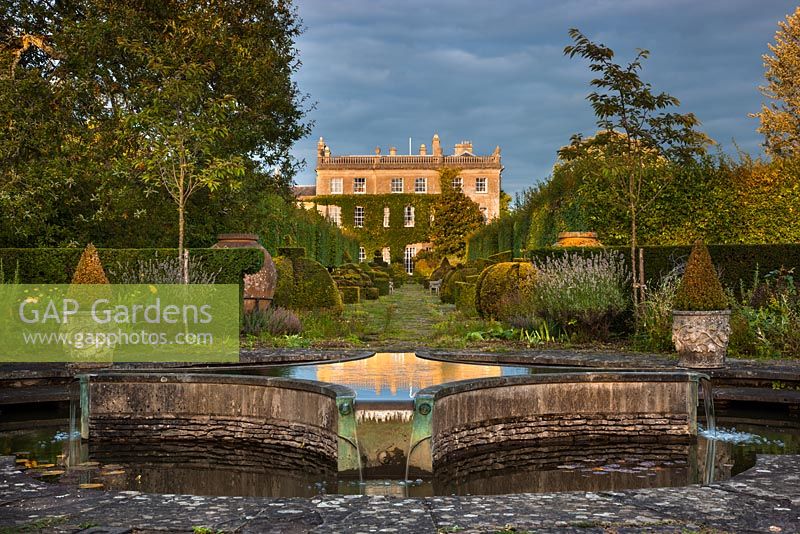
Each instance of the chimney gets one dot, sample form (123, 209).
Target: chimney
(392, 151)
(423, 150)
(435, 146)
(462, 147)
(320, 147)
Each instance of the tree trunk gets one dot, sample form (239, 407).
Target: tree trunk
(181, 229)
(635, 281)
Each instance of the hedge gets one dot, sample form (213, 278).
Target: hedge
(459, 274)
(57, 265)
(311, 286)
(496, 284)
(350, 294)
(737, 264)
(464, 294)
(321, 239)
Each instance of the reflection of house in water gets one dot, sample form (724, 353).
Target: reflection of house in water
(400, 372)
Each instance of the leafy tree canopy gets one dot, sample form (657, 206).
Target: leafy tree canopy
(455, 216)
(78, 78)
(780, 118)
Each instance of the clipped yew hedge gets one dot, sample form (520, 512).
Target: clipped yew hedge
(497, 283)
(736, 264)
(459, 274)
(305, 284)
(57, 265)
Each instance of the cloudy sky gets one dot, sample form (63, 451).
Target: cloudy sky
(494, 72)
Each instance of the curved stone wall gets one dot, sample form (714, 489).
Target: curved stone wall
(264, 413)
(467, 417)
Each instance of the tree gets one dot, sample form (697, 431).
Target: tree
(455, 217)
(79, 85)
(638, 131)
(178, 131)
(780, 119)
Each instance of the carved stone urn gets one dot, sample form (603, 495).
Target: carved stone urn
(701, 337)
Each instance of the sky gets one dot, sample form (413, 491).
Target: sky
(494, 72)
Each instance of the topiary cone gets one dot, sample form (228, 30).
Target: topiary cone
(700, 288)
(89, 269)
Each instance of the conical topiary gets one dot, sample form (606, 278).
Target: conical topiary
(89, 269)
(700, 288)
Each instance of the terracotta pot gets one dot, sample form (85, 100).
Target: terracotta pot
(577, 239)
(701, 337)
(259, 288)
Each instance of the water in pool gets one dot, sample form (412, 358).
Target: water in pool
(392, 379)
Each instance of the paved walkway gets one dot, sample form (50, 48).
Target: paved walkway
(763, 499)
(403, 320)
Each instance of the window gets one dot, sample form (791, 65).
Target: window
(362, 254)
(358, 217)
(336, 186)
(386, 217)
(359, 185)
(421, 185)
(458, 183)
(397, 185)
(335, 215)
(480, 185)
(387, 256)
(485, 214)
(408, 216)
(409, 259)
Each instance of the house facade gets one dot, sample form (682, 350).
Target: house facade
(386, 199)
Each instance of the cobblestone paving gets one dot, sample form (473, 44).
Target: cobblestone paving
(765, 498)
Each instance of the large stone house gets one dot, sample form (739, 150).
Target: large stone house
(385, 199)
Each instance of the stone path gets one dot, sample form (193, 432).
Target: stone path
(765, 498)
(403, 320)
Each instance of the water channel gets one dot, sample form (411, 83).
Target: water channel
(385, 385)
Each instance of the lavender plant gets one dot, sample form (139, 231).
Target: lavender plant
(275, 321)
(655, 324)
(581, 294)
(158, 270)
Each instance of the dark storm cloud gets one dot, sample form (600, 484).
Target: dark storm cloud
(495, 73)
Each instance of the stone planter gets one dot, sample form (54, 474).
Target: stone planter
(259, 288)
(577, 239)
(701, 337)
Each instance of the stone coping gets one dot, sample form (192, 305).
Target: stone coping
(322, 388)
(26, 371)
(765, 498)
(474, 384)
(784, 370)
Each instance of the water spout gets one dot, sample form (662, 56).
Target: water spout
(708, 404)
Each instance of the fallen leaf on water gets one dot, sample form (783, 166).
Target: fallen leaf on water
(52, 472)
(45, 466)
(89, 464)
(91, 486)
(114, 472)
(112, 467)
